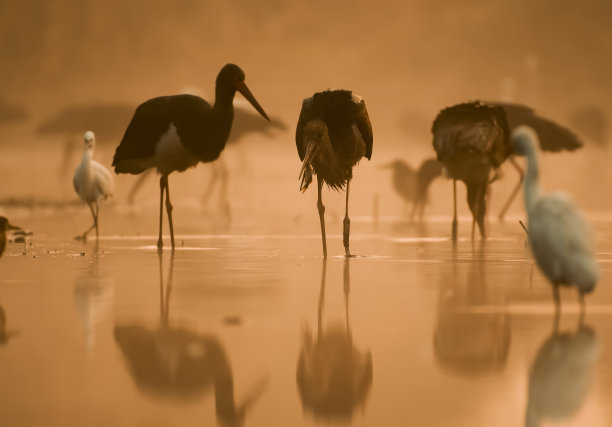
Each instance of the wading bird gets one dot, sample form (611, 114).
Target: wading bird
(559, 236)
(553, 138)
(470, 139)
(412, 185)
(333, 133)
(5, 226)
(92, 182)
(174, 133)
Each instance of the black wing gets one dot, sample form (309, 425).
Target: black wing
(552, 136)
(306, 114)
(151, 119)
(364, 126)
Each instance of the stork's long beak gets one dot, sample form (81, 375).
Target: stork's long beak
(244, 90)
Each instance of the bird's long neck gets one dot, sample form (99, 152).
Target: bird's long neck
(224, 98)
(532, 179)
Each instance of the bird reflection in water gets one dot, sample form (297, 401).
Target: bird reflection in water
(562, 374)
(172, 362)
(5, 335)
(93, 296)
(333, 376)
(465, 341)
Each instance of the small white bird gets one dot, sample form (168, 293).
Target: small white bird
(92, 182)
(559, 236)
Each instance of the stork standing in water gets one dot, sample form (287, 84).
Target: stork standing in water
(92, 182)
(559, 236)
(470, 139)
(174, 133)
(333, 133)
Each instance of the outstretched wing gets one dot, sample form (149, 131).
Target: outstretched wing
(553, 137)
(306, 114)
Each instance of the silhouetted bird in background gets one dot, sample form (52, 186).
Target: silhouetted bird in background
(559, 236)
(11, 113)
(109, 120)
(412, 185)
(174, 133)
(5, 226)
(553, 138)
(471, 139)
(92, 182)
(333, 133)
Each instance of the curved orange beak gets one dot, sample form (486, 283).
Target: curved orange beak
(244, 90)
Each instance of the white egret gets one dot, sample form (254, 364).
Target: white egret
(559, 236)
(92, 182)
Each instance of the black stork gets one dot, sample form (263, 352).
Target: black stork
(412, 185)
(174, 133)
(553, 138)
(470, 139)
(333, 133)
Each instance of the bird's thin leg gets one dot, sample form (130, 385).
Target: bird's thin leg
(347, 290)
(96, 216)
(137, 185)
(321, 298)
(321, 215)
(347, 223)
(582, 308)
(84, 235)
(163, 180)
(521, 173)
(224, 174)
(169, 211)
(557, 299)
(211, 184)
(454, 228)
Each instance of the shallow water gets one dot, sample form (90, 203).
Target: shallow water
(252, 327)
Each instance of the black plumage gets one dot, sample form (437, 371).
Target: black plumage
(173, 133)
(333, 133)
(470, 139)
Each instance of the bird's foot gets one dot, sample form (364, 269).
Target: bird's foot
(454, 231)
(160, 244)
(345, 235)
(81, 238)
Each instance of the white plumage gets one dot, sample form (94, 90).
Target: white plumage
(92, 181)
(560, 237)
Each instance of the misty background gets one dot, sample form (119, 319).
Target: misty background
(407, 59)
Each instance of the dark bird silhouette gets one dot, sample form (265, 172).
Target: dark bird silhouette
(174, 133)
(333, 133)
(553, 138)
(11, 113)
(5, 226)
(411, 185)
(171, 362)
(470, 139)
(333, 375)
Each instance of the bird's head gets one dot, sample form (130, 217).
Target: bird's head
(90, 139)
(525, 140)
(315, 130)
(5, 225)
(232, 77)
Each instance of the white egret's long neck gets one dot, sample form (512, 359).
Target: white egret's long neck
(532, 178)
